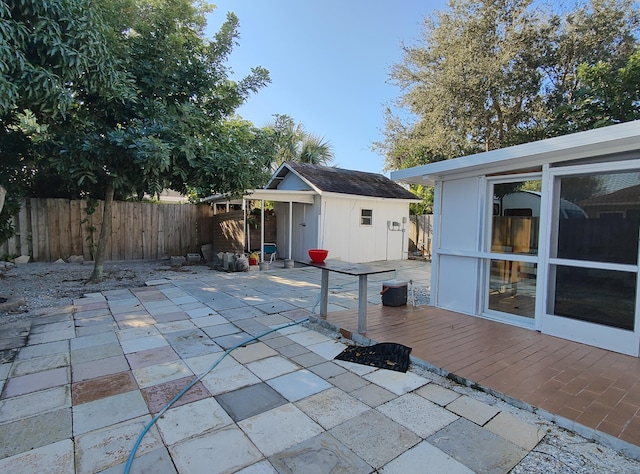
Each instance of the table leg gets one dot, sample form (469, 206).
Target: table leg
(362, 304)
(324, 293)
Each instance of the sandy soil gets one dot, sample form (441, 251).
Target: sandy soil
(44, 285)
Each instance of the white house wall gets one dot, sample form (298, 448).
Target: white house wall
(345, 238)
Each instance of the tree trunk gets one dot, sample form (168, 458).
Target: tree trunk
(105, 231)
(3, 193)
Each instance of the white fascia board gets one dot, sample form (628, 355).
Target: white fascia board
(365, 198)
(217, 198)
(265, 194)
(614, 139)
(276, 176)
(281, 195)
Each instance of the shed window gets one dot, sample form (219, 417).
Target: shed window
(366, 216)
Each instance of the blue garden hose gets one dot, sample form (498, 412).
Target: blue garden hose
(192, 383)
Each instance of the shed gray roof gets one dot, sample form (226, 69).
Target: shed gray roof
(337, 180)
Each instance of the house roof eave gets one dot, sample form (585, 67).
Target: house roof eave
(278, 195)
(610, 140)
(367, 198)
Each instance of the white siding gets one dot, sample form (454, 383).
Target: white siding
(458, 284)
(345, 238)
(459, 214)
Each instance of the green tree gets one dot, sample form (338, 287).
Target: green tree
(496, 73)
(595, 32)
(177, 133)
(294, 143)
(606, 96)
(173, 127)
(470, 81)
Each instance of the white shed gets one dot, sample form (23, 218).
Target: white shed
(542, 235)
(357, 216)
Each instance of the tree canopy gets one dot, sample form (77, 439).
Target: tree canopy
(49, 50)
(163, 116)
(495, 73)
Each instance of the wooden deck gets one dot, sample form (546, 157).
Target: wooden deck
(598, 389)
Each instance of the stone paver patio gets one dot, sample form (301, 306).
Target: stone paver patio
(91, 377)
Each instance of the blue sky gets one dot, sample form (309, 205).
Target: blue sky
(329, 62)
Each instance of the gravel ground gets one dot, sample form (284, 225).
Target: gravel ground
(44, 285)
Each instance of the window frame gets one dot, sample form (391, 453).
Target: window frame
(364, 218)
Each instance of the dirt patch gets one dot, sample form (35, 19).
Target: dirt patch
(45, 285)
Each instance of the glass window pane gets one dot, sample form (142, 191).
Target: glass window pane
(516, 217)
(513, 287)
(598, 296)
(366, 216)
(598, 217)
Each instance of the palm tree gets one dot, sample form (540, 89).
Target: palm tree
(315, 150)
(293, 143)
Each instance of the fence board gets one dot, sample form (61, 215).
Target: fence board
(40, 230)
(63, 208)
(136, 242)
(420, 234)
(75, 230)
(129, 225)
(24, 229)
(205, 225)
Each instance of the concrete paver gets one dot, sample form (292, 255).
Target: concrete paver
(223, 450)
(414, 459)
(474, 410)
(376, 438)
(250, 401)
(523, 434)
(192, 419)
(294, 426)
(50, 459)
(418, 414)
(320, 454)
(300, 384)
(473, 446)
(437, 394)
(331, 407)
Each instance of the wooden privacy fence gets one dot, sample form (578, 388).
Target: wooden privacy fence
(49, 229)
(420, 235)
(229, 233)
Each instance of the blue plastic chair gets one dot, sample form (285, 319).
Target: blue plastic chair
(270, 251)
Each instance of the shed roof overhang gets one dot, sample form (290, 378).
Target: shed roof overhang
(615, 139)
(278, 195)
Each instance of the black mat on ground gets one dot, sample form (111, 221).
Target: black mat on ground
(387, 355)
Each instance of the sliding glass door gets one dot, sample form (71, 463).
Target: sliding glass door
(593, 258)
(512, 250)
